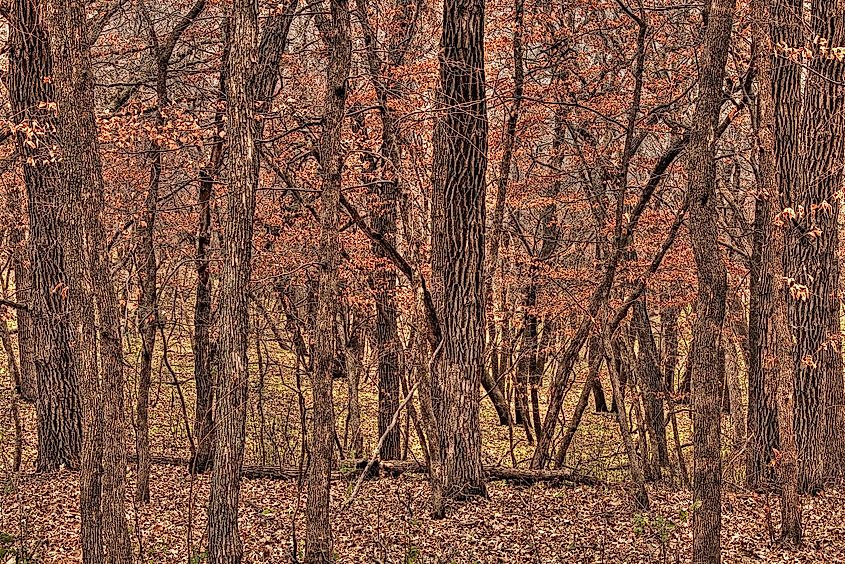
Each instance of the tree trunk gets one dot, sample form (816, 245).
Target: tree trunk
(27, 386)
(336, 35)
(354, 355)
(91, 285)
(734, 394)
(58, 402)
(202, 343)
(634, 463)
(813, 261)
(649, 369)
(490, 380)
(776, 343)
(147, 307)
(762, 427)
(457, 252)
(386, 329)
(224, 543)
(669, 346)
(595, 357)
(712, 287)
(148, 313)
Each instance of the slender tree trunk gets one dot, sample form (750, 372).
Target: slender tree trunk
(652, 379)
(595, 360)
(490, 380)
(58, 401)
(669, 346)
(457, 251)
(777, 344)
(147, 307)
(526, 377)
(634, 463)
(13, 368)
(354, 363)
(734, 394)
(224, 543)
(761, 427)
(712, 287)
(148, 313)
(335, 31)
(201, 343)
(27, 386)
(384, 222)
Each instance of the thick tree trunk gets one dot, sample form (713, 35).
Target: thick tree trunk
(712, 287)
(58, 402)
(776, 343)
(335, 31)
(813, 261)
(91, 284)
(224, 543)
(457, 253)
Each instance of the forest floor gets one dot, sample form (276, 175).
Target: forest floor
(388, 522)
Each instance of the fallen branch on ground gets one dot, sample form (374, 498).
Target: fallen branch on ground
(352, 468)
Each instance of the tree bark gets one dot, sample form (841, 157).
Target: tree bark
(90, 285)
(813, 260)
(649, 369)
(335, 31)
(58, 402)
(27, 386)
(761, 427)
(776, 343)
(712, 287)
(457, 253)
(224, 543)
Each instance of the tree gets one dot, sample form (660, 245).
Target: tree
(90, 289)
(31, 96)
(224, 543)
(161, 50)
(712, 285)
(457, 252)
(336, 35)
(384, 222)
(201, 344)
(812, 253)
(776, 342)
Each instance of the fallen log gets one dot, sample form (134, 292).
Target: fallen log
(352, 468)
(524, 476)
